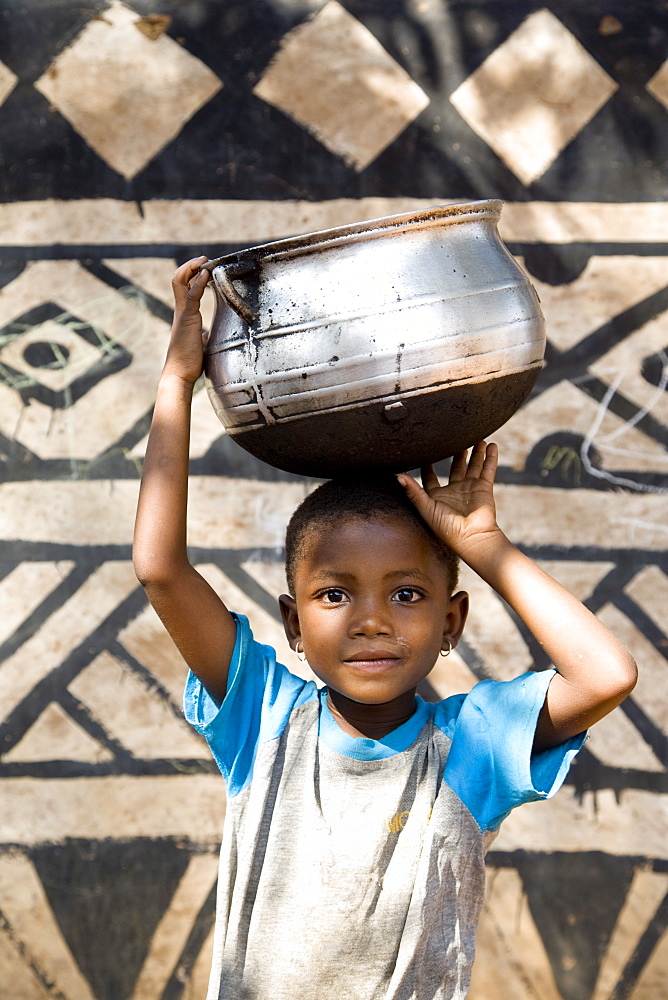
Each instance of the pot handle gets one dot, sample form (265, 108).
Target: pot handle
(224, 275)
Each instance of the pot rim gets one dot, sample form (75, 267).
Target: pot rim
(450, 214)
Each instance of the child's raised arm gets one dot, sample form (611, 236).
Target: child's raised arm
(595, 671)
(193, 614)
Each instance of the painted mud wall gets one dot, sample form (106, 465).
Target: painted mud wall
(133, 136)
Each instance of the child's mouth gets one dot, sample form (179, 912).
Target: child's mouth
(372, 660)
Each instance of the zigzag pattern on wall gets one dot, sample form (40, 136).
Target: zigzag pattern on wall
(112, 809)
(92, 686)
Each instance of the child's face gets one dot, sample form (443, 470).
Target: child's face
(372, 608)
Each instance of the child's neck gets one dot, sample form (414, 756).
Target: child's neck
(370, 721)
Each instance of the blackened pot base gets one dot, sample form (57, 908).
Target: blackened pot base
(393, 437)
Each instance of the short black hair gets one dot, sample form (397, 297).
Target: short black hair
(358, 497)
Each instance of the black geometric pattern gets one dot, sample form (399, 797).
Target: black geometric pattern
(117, 901)
(237, 146)
(44, 355)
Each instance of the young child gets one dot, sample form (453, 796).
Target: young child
(358, 815)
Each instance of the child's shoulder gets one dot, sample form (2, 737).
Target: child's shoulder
(491, 703)
(445, 713)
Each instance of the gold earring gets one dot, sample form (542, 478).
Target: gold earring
(446, 652)
(301, 655)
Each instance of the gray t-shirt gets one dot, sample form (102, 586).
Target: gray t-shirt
(353, 869)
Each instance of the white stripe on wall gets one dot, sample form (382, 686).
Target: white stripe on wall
(104, 221)
(183, 805)
(93, 513)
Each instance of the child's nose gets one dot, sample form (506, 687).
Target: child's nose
(371, 619)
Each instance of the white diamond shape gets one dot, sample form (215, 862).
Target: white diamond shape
(334, 78)
(658, 85)
(79, 354)
(126, 94)
(533, 95)
(8, 81)
(97, 419)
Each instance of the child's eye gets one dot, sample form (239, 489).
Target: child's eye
(407, 595)
(333, 595)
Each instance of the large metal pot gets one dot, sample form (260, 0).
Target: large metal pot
(388, 343)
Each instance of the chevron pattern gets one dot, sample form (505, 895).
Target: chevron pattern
(112, 809)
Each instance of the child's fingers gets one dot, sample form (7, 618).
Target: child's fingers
(429, 478)
(194, 293)
(490, 464)
(477, 460)
(199, 273)
(197, 285)
(426, 507)
(185, 272)
(183, 277)
(458, 467)
(414, 491)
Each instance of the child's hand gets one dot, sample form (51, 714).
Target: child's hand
(594, 671)
(463, 513)
(185, 355)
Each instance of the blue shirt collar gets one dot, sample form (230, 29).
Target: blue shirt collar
(361, 748)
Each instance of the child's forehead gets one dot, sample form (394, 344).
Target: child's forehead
(354, 523)
(359, 537)
(369, 548)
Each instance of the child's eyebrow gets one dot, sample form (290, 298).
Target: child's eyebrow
(403, 574)
(411, 574)
(329, 574)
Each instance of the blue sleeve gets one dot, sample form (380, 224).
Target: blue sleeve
(490, 765)
(261, 694)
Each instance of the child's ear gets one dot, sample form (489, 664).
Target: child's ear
(455, 618)
(288, 607)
